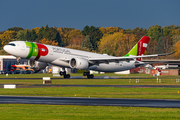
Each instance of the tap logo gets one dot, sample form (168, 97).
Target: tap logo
(37, 50)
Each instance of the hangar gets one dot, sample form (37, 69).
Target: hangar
(7, 60)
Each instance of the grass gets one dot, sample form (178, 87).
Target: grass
(37, 75)
(164, 81)
(65, 112)
(103, 92)
(100, 92)
(69, 112)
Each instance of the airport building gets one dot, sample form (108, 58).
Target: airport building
(7, 60)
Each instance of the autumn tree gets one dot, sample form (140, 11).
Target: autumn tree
(177, 49)
(7, 37)
(48, 42)
(24, 35)
(65, 35)
(155, 32)
(20, 35)
(78, 47)
(40, 33)
(164, 45)
(109, 30)
(77, 40)
(16, 29)
(52, 34)
(175, 39)
(117, 44)
(36, 30)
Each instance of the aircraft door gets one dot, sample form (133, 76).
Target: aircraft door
(51, 51)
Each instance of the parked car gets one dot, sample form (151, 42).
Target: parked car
(22, 72)
(16, 71)
(29, 72)
(2, 72)
(9, 72)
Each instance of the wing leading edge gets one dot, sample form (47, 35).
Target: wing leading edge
(129, 58)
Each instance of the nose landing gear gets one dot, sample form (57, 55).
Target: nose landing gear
(89, 76)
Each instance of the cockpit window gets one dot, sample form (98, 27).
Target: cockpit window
(12, 44)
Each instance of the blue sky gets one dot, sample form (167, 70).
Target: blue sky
(79, 13)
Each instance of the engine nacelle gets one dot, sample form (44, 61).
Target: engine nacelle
(78, 63)
(38, 65)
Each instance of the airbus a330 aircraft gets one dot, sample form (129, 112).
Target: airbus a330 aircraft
(70, 58)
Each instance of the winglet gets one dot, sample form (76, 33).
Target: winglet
(139, 48)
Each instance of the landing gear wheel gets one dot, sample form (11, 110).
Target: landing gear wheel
(91, 76)
(62, 73)
(84, 74)
(67, 76)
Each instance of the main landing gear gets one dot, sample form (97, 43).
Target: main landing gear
(89, 76)
(64, 74)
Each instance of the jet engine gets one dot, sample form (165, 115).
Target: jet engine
(79, 63)
(38, 65)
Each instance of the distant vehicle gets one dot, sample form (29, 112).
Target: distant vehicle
(29, 72)
(17, 69)
(2, 72)
(9, 72)
(22, 72)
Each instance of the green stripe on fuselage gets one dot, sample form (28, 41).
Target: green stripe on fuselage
(33, 50)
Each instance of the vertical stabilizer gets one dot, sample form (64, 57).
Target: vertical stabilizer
(139, 48)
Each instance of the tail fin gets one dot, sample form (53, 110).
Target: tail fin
(139, 48)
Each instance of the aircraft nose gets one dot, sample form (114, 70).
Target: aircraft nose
(8, 49)
(5, 48)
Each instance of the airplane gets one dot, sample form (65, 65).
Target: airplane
(81, 60)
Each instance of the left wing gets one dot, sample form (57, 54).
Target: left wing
(129, 58)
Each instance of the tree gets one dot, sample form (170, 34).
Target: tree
(66, 35)
(77, 40)
(33, 35)
(109, 30)
(7, 37)
(87, 43)
(58, 39)
(16, 29)
(27, 34)
(40, 33)
(177, 53)
(175, 39)
(36, 30)
(48, 42)
(51, 34)
(94, 34)
(20, 35)
(155, 32)
(122, 43)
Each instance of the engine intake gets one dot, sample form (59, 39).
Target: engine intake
(79, 63)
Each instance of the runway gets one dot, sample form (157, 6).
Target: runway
(159, 103)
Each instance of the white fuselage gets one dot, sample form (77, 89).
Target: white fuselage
(59, 56)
